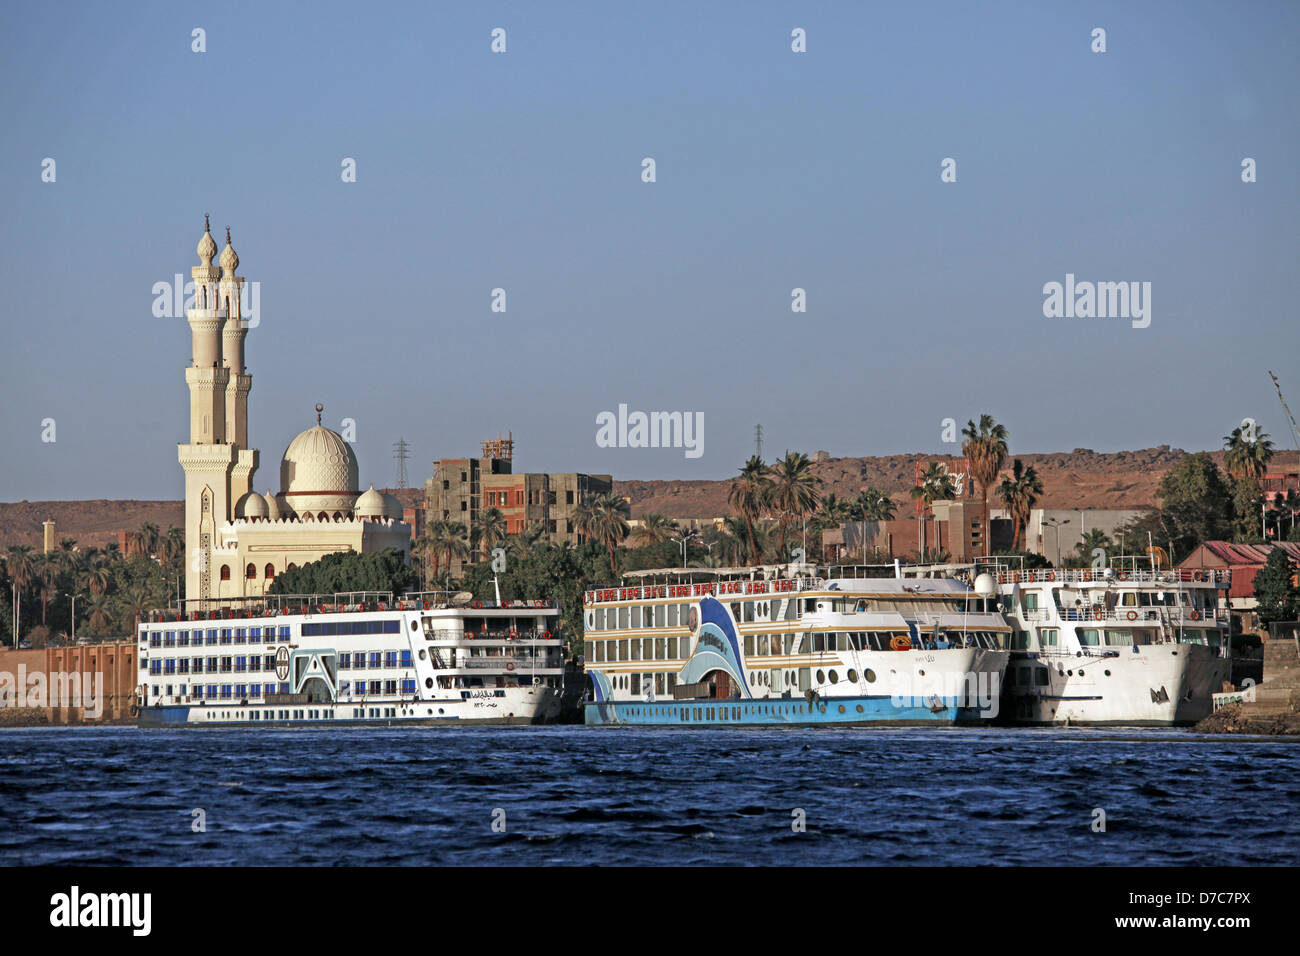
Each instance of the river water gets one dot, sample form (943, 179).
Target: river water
(578, 795)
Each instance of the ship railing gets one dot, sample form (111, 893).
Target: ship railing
(454, 634)
(1172, 576)
(520, 662)
(773, 588)
(1137, 615)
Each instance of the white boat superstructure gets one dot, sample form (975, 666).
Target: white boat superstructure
(1114, 645)
(353, 658)
(792, 646)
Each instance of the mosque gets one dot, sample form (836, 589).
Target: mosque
(238, 540)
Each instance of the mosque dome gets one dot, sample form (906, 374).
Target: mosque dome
(371, 504)
(318, 472)
(252, 505)
(207, 248)
(273, 509)
(392, 507)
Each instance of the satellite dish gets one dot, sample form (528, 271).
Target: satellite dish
(461, 598)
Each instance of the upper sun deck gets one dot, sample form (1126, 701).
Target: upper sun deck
(1111, 577)
(352, 602)
(677, 584)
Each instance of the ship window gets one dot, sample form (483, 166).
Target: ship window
(791, 610)
(1029, 600)
(636, 683)
(622, 618)
(763, 645)
(1089, 637)
(749, 645)
(1128, 599)
(636, 616)
(660, 615)
(749, 611)
(672, 648)
(672, 615)
(1047, 636)
(661, 648)
(636, 650)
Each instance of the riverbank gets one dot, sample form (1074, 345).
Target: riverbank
(1233, 720)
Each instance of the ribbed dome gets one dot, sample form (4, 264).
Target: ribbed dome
(252, 505)
(207, 247)
(318, 460)
(229, 259)
(370, 504)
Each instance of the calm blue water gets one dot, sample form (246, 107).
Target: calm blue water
(577, 795)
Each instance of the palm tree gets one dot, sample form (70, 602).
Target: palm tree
(133, 606)
(608, 525)
(99, 609)
(653, 529)
(749, 496)
(48, 569)
(173, 544)
(489, 530)
(97, 576)
(985, 449)
(1093, 540)
(449, 540)
(20, 565)
(794, 490)
(1019, 493)
(1247, 456)
(149, 538)
(872, 504)
(935, 485)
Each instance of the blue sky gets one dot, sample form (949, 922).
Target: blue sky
(522, 171)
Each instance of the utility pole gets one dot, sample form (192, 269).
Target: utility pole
(400, 453)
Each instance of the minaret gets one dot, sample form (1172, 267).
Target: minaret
(207, 460)
(237, 388)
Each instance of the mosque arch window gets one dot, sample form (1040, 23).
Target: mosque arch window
(292, 567)
(338, 516)
(225, 572)
(269, 572)
(250, 572)
(322, 517)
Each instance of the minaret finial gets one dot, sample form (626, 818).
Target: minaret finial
(227, 235)
(319, 408)
(206, 227)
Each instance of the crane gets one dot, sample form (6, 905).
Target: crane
(1295, 429)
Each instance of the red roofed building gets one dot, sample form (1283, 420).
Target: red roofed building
(1243, 560)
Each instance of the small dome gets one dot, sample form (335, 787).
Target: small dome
(392, 507)
(273, 510)
(207, 247)
(371, 504)
(229, 259)
(252, 505)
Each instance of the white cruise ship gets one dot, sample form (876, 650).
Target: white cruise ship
(773, 646)
(424, 659)
(1114, 645)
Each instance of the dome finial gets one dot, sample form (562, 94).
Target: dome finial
(229, 258)
(319, 408)
(207, 248)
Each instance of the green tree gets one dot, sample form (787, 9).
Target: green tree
(1247, 454)
(1275, 589)
(1195, 504)
(985, 449)
(653, 529)
(749, 495)
(604, 519)
(385, 570)
(793, 491)
(935, 485)
(1019, 492)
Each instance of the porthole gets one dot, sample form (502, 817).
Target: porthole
(841, 708)
(414, 624)
(921, 671)
(869, 676)
(422, 653)
(1107, 673)
(859, 708)
(853, 676)
(441, 711)
(835, 678)
(821, 677)
(1081, 673)
(428, 682)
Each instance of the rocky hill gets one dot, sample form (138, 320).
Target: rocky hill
(1077, 479)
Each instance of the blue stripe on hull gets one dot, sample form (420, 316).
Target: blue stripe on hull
(773, 712)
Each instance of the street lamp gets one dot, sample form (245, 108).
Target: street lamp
(1056, 523)
(73, 638)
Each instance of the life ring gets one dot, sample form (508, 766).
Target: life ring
(536, 681)
(900, 642)
(478, 603)
(539, 604)
(1087, 575)
(1098, 614)
(1132, 615)
(1198, 576)
(546, 635)
(510, 665)
(1051, 575)
(514, 635)
(426, 605)
(1123, 575)
(1196, 615)
(469, 635)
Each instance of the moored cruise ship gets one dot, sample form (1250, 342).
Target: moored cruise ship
(1114, 645)
(792, 646)
(424, 659)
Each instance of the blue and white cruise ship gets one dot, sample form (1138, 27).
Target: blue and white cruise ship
(772, 646)
(424, 659)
